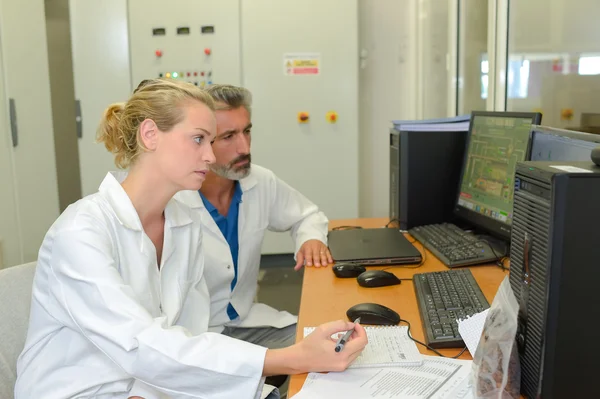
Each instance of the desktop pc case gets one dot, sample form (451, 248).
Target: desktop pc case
(424, 175)
(555, 276)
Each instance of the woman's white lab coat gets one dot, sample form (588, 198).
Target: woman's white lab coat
(267, 203)
(104, 316)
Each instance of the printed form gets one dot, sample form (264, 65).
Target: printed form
(437, 378)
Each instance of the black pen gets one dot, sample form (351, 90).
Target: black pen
(342, 341)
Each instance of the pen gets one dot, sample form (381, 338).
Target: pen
(342, 341)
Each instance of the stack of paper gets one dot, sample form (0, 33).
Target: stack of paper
(437, 378)
(455, 124)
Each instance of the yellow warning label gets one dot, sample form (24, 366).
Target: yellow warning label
(301, 64)
(306, 63)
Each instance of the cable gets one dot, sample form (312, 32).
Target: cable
(429, 347)
(500, 261)
(392, 221)
(401, 279)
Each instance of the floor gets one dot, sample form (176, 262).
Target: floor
(279, 285)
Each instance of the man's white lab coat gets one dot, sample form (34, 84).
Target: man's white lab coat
(104, 316)
(267, 203)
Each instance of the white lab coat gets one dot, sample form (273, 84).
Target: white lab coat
(267, 203)
(104, 316)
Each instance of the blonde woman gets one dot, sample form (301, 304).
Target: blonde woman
(120, 306)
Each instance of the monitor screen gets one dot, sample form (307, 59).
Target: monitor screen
(497, 141)
(548, 144)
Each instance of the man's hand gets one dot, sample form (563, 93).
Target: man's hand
(313, 252)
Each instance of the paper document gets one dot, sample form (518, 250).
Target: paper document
(439, 127)
(437, 378)
(470, 330)
(388, 346)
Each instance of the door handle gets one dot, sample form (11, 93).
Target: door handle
(14, 130)
(78, 120)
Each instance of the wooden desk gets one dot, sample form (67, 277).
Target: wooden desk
(326, 298)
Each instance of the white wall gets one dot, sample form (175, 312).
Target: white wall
(473, 45)
(387, 91)
(554, 26)
(551, 33)
(433, 56)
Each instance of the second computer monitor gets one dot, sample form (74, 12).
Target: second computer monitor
(549, 144)
(496, 142)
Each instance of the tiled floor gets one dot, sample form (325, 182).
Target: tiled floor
(279, 285)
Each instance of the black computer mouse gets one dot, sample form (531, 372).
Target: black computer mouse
(372, 313)
(377, 278)
(345, 270)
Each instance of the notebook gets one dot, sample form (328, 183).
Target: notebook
(388, 346)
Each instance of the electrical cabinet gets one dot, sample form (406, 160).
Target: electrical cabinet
(29, 193)
(300, 64)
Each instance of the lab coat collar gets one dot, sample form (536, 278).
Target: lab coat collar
(175, 213)
(248, 182)
(193, 199)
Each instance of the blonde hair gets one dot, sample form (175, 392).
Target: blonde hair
(160, 100)
(230, 97)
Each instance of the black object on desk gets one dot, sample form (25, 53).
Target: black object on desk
(369, 247)
(442, 298)
(554, 276)
(377, 278)
(455, 247)
(373, 313)
(420, 193)
(346, 270)
(485, 191)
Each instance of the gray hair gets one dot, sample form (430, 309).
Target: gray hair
(230, 97)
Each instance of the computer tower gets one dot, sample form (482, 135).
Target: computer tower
(555, 276)
(424, 175)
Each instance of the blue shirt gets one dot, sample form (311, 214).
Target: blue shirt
(229, 227)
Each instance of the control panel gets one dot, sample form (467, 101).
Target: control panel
(200, 46)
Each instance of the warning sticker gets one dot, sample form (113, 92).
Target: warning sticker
(301, 64)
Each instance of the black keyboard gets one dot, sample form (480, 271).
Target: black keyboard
(454, 246)
(444, 297)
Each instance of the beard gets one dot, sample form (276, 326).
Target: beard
(231, 171)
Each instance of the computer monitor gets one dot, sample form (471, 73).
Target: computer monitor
(550, 144)
(496, 142)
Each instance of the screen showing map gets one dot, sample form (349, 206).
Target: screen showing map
(496, 145)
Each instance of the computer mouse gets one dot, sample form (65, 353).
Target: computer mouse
(377, 278)
(372, 313)
(345, 270)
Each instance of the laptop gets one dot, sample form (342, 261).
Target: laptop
(370, 247)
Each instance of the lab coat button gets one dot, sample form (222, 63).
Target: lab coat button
(229, 266)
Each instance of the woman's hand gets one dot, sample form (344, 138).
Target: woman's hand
(319, 346)
(316, 352)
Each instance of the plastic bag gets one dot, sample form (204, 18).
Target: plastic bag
(496, 369)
